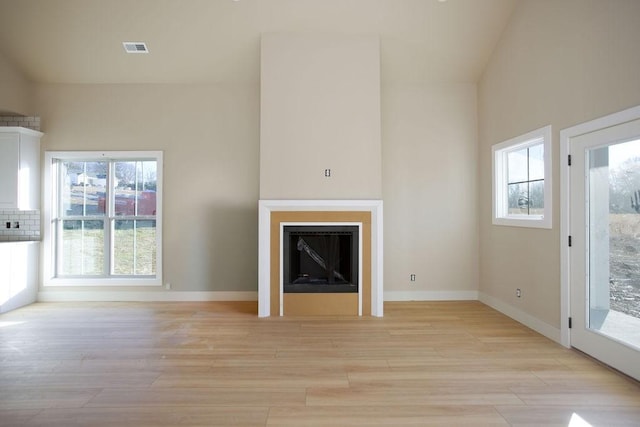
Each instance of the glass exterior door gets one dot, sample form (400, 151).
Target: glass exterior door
(605, 253)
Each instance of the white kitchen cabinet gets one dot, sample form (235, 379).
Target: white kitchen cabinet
(19, 168)
(18, 274)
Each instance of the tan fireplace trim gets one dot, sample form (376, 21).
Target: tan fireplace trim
(319, 304)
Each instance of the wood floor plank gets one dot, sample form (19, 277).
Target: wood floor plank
(410, 378)
(284, 376)
(79, 380)
(30, 397)
(198, 396)
(325, 363)
(167, 416)
(570, 415)
(580, 398)
(372, 416)
(17, 417)
(477, 364)
(391, 396)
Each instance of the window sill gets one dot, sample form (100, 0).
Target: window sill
(111, 282)
(536, 222)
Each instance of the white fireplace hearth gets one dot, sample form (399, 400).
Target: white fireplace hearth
(274, 215)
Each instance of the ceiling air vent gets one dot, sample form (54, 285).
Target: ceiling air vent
(135, 47)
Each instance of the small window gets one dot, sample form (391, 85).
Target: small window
(522, 180)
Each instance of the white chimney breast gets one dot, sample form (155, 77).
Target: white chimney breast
(320, 110)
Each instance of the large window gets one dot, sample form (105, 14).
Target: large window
(522, 180)
(103, 218)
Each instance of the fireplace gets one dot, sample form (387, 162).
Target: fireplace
(320, 258)
(357, 287)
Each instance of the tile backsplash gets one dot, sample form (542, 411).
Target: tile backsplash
(31, 122)
(22, 225)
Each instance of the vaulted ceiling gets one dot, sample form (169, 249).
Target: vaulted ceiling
(208, 41)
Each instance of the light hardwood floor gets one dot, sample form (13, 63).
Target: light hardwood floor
(210, 364)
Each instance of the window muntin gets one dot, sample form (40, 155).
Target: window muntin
(104, 218)
(522, 180)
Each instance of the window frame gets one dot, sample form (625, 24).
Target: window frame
(50, 215)
(499, 165)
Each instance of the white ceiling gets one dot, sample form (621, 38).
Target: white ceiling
(206, 41)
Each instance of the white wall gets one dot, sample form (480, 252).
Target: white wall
(209, 135)
(320, 109)
(15, 89)
(210, 139)
(430, 191)
(559, 62)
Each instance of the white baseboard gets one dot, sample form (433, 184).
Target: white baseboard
(534, 323)
(431, 295)
(141, 296)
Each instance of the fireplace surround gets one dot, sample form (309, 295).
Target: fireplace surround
(363, 216)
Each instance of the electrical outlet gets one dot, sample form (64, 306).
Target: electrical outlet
(518, 293)
(167, 286)
(8, 224)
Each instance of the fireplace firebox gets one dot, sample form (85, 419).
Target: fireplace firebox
(320, 258)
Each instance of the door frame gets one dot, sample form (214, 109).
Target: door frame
(565, 205)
